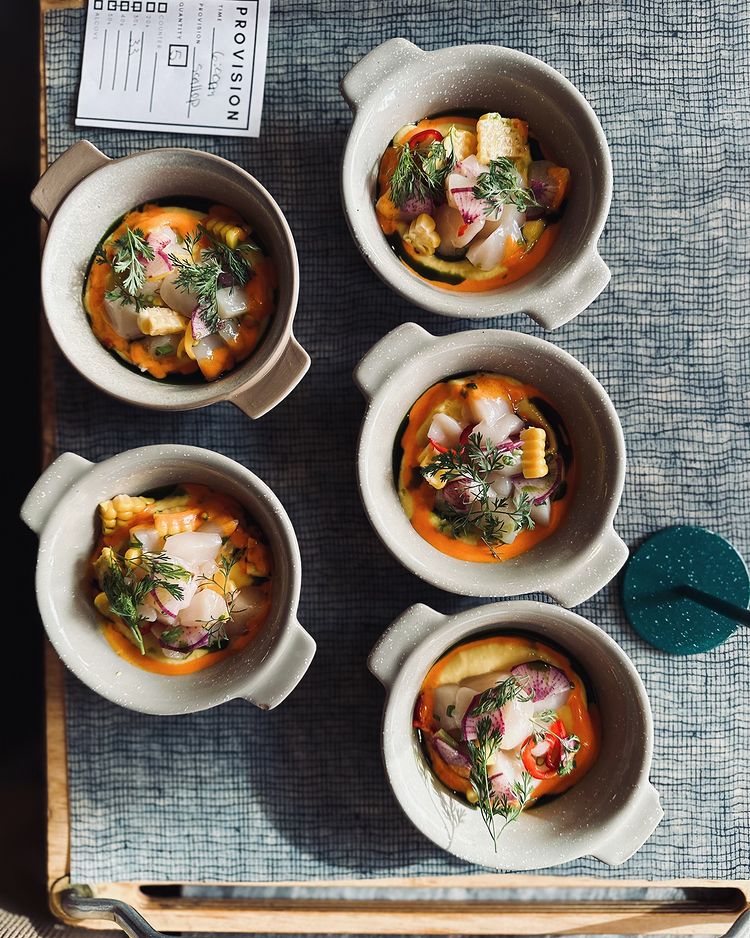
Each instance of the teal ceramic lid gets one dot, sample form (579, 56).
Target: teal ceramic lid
(670, 579)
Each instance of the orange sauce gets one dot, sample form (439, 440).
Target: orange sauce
(516, 263)
(419, 502)
(259, 292)
(578, 714)
(204, 505)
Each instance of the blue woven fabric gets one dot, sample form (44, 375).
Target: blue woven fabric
(299, 793)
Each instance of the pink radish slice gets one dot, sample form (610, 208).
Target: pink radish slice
(544, 680)
(501, 786)
(198, 325)
(461, 196)
(469, 723)
(450, 754)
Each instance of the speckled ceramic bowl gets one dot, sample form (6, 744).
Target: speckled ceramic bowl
(398, 83)
(584, 553)
(84, 192)
(61, 509)
(609, 814)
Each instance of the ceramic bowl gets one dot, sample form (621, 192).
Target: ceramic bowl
(584, 553)
(62, 507)
(398, 83)
(609, 814)
(84, 192)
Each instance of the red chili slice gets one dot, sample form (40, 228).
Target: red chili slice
(425, 136)
(545, 766)
(438, 446)
(421, 720)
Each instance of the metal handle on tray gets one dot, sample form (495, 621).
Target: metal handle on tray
(79, 902)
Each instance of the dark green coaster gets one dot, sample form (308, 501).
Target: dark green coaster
(686, 590)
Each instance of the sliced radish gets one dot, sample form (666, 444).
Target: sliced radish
(454, 232)
(461, 196)
(549, 685)
(501, 786)
(470, 722)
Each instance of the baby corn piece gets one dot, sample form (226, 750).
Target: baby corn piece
(102, 605)
(533, 463)
(160, 320)
(501, 137)
(120, 510)
(226, 231)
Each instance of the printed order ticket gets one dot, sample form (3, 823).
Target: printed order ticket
(186, 66)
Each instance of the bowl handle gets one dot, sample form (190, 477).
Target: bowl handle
(283, 669)
(67, 171)
(283, 378)
(56, 479)
(591, 571)
(387, 354)
(399, 640)
(579, 287)
(364, 78)
(634, 828)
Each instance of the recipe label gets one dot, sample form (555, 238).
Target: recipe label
(186, 66)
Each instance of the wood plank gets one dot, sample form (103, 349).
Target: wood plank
(620, 917)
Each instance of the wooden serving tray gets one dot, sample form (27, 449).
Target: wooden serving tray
(710, 907)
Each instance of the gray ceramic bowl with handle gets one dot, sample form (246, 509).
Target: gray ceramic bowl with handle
(398, 83)
(62, 510)
(609, 814)
(84, 192)
(585, 552)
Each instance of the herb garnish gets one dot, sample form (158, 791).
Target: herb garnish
(127, 583)
(489, 515)
(569, 745)
(216, 628)
(202, 277)
(421, 175)
(131, 252)
(500, 187)
(507, 805)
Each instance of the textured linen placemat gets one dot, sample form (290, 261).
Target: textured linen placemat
(299, 793)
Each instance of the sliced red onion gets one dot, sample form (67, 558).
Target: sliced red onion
(544, 680)
(162, 608)
(187, 646)
(450, 754)
(554, 485)
(469, 722)
(198, 325)
(509, 445)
